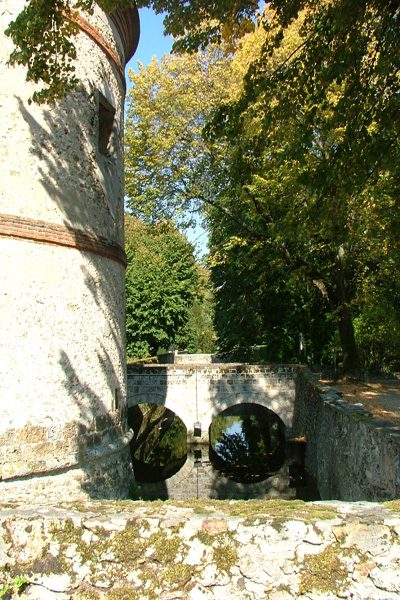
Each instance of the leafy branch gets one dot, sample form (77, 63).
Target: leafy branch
(43, 35)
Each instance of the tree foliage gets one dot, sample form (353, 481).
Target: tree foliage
(171, 170)
(299, 168)
(198, 336)
(43, 33)
(43, 37)
(161, 285)
(314, 168)
(168, 163)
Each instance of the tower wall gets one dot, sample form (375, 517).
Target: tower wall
(63, 429)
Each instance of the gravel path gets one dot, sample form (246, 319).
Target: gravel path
(382, 398)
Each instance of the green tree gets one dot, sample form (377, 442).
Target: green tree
(257, 301)
(198, 336)
(161, 285)
(315, 138)
(304, 165)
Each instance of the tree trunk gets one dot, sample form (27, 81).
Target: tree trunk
(351, 360)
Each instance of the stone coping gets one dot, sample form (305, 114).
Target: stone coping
(202, 549)
(215, 366)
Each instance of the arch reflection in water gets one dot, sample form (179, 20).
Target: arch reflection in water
(247, 443)
(159, 444)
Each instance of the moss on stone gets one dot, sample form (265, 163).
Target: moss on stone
(165, 549)
(87, 594)
(178, 576)
(224, 549)
(68, 534)
(48, 564)
(225, 556)
(282, 587)
(234, 508)
(256, 521)
(204, 537)
(128, 545)
(7, 539)
(392, 505)
(151, 578)
(127, 592)
(281, 509)
(323, 572)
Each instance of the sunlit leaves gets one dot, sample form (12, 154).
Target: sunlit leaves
(43, 37)
(170, 168)
(196, 23)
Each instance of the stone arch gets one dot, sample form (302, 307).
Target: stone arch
(160, 399)
(279, 404)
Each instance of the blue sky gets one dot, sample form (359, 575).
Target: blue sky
(152, 42)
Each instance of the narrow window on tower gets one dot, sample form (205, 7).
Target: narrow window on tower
(106, 125)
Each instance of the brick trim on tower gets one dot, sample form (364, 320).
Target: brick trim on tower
(32, 230)
(92, 32)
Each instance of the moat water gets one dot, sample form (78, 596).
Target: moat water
(197, 478)
(247, 458)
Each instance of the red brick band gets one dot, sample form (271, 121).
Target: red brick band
(48, 233)
(90, 31)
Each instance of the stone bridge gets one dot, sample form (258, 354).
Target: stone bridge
(198, 393)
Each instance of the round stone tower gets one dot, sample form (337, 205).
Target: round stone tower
(63, 431)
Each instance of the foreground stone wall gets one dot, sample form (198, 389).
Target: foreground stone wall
(197, 393)
(210, 550)
(352, 454)
(63, 382)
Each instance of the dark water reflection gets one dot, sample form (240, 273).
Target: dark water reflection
(159, 447)
(247, 443)
(199, 479)
(247, 457)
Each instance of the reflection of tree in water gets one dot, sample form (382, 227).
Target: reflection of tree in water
(159, 444)
(247, 443)
(233, 448)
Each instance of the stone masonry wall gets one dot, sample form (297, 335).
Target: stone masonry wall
(206, 550)
(62, 329)
(352, 454)
(175, 358)
(197, 393)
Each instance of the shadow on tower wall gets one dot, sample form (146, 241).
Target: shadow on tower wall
(75, 303)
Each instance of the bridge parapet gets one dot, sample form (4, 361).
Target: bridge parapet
(199, 392)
